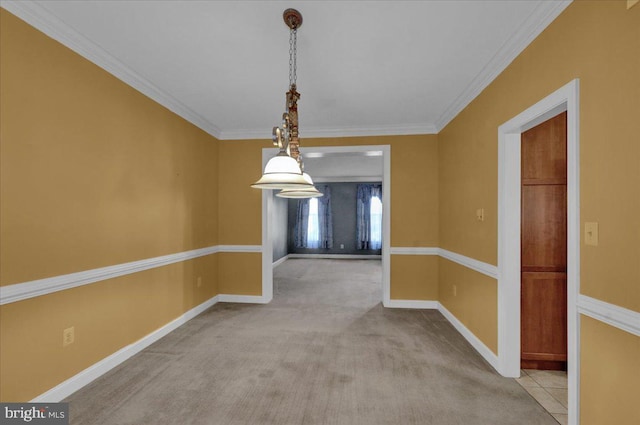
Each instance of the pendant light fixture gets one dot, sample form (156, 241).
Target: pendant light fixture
(285, 170)
(301, 192)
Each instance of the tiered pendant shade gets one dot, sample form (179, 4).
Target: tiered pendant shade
(282, 172)
(303, 192)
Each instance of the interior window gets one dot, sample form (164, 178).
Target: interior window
(313, 226)
(376, 222)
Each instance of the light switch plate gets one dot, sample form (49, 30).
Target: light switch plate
(68, 336)
(591, 233)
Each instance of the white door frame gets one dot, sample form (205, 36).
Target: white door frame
(267, 206)
(564, 99)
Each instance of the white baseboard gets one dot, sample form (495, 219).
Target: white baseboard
(280, 261)
(475, 342)
(93, 372)
(250, 299)
(338, 256)
(76, 382)
(423, 304)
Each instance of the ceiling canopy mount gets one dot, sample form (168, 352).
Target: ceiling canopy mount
(292, 18)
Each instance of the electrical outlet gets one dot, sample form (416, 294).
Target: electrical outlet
(341, 246)
(199, 281)
(480, 214)
(68, 336)
(455, 290)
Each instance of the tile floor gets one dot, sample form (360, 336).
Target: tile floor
(549, 388)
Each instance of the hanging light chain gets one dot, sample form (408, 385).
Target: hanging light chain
(293, 67)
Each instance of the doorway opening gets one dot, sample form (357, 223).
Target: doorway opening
(330, 154)
(543, 257)
(509, 234)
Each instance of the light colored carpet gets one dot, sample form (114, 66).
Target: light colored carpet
(324, 351)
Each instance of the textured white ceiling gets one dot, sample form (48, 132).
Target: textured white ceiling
(364, 67)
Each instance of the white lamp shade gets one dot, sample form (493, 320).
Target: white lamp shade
(282, 172)
(301, 193)
(282, 164)
(307, 177)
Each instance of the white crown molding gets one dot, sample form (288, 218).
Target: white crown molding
(93, 372)
(40, 18)
(36, 288)
(611, 314)
(263, 134)
(542, 16)
(414, 250)
(308, 133)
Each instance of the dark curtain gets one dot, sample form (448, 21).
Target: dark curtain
(325, 221)
(363, 215)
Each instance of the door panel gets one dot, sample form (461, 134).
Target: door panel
(544, 228)
(544, 333)
(546, 155)
(544, 245)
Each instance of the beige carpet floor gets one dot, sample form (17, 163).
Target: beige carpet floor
(324, 351)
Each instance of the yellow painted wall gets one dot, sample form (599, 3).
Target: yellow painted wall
(472, 289)
(240, 206)
(108, 176)
(240, 214)
(414, 204)
(93, 174)
(107, 316)
(414, 277)
(610, 373)
(599, 43)
(240, 273)
(414, 187)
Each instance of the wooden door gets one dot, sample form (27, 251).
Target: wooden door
(544, 246)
